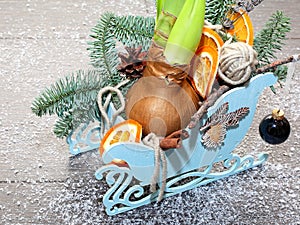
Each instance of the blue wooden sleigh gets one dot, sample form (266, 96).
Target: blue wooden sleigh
(190, 166)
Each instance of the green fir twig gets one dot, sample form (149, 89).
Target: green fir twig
(216, 10)
(64, 126)
(134, 31)
(270, 39)
(103, 50)
(131, 31)
(72, 99)
(63, 93)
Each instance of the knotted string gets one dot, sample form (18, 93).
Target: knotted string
(152, 141)
(237, 61)
(106, 122)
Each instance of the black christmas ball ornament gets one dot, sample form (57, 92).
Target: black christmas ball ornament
(275, 128)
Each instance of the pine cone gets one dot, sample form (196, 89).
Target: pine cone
(132, 63)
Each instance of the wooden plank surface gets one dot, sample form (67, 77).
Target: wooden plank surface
(41, 41)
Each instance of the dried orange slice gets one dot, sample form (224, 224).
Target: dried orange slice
(242, 27)
(126, 131)
(205, 63)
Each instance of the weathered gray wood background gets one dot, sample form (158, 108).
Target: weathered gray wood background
(41, 41)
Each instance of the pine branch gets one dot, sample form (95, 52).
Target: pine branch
(103, 50)
(216, 10)
(132, 31)
(62, 95)
(81, 113)
(63, 127)
(270, 39)
(72, 99)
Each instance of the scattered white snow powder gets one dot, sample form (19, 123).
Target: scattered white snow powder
(263, 195)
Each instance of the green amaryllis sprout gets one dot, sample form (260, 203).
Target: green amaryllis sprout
(167, 12)
(159, 7)
(178, 28)
(186, 33)
(172, 7)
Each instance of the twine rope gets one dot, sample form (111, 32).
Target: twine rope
(106, 122)
(152, 141)
(237, 62)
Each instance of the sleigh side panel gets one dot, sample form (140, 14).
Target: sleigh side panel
(193, 155)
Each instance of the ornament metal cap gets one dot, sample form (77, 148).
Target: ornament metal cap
(277, 114)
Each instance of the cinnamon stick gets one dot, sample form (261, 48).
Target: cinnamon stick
(174, 140)
(168, 143)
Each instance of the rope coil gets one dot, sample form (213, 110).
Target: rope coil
(237, 62)
(106, 122)
(150, 140)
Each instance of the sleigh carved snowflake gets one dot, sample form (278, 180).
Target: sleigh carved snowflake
(216, 125)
